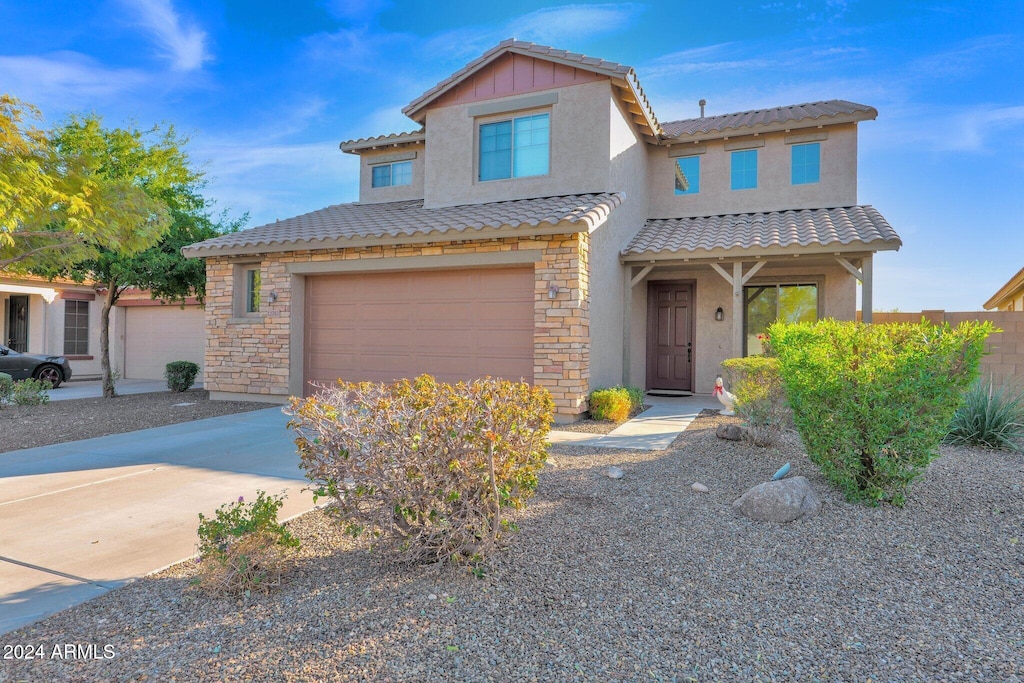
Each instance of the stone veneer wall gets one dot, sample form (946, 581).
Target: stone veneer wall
(251, 354)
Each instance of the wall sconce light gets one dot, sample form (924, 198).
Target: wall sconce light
(273, 296)
(719, 314)
(552, 290)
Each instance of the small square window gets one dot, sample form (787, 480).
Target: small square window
(744, 170)
(687, 170)
(806, 163)
(516, 148)
(391, 175)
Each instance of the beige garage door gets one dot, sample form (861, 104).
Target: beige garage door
(455, 325)
(156, 335)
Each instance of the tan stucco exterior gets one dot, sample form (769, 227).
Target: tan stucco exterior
(375, 195)
(774, 192)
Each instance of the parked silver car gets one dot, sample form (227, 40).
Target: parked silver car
(52, 369)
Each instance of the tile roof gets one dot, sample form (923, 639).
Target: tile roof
(1008, 291)
(392, 140)
(768, 231)
(794, 113)
(392, 222)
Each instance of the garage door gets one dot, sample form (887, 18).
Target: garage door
(455, 325)
(156, 335)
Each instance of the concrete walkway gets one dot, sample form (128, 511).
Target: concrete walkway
(81, 518)
(93, 388)
(652, 430)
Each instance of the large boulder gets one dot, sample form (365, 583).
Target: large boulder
(785, 500)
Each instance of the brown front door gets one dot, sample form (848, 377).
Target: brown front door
(670, 336)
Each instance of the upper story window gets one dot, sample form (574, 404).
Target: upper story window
(806, 163)
(390, 175)
(687, 171)
(744, 169)
(515, 148)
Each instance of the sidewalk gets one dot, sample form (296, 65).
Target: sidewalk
(652, 430)
(93, 388)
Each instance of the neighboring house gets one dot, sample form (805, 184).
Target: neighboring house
(1010, 296)
(543, 224)
(63, 318)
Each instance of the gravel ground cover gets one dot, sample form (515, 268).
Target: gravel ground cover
(62, 421)
(614, 580)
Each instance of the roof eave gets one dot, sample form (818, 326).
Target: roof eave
(733, 253)
(385, 142)
(450, 235)
(1006, 291)
(779, 127)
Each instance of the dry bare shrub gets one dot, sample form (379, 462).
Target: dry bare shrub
(254, 563)
(422, 467)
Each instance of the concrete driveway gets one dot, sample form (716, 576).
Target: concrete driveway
(93, 388)
(80, 518)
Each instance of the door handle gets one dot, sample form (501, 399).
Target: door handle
(689, 355)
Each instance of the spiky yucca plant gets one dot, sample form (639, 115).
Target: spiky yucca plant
(990, 417)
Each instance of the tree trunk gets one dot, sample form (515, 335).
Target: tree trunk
(108, 377)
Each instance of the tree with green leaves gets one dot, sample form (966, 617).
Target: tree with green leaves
(59, 202)
(156, 163)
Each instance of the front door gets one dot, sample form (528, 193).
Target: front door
(670, 336)
(17, 323)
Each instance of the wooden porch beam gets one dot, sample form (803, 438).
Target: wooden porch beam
(737, 308)
(866, 287)
(641, 275)
(850, 267)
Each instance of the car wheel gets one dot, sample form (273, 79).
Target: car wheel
(50, 374)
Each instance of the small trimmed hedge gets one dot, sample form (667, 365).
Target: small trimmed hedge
(181, 375)
(615, 404)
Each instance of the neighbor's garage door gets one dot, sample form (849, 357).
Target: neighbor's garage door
(455, 325)
(156, 335)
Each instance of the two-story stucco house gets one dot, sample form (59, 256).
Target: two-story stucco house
(543, 224)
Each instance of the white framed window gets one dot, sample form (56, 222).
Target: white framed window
(392, 175)
(515, 148)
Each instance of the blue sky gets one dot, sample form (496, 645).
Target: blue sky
(267, 90)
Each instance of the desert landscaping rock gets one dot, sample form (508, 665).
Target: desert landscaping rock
(699, 487)
(615, 472)
(782, 501)
(729, 432)
(613, 581)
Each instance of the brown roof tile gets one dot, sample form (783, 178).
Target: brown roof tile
(794, 113)
(391, 222)
(773, 230)
(394, 139)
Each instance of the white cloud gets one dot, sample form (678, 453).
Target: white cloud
(65, 80)
(184, 44)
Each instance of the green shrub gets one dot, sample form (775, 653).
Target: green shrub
(181, 375)
(873, 402)
(615, 404)
(760, 399)
(990, 418)
(31, 392)
(6, 389)
(243, 547)
(424, 467)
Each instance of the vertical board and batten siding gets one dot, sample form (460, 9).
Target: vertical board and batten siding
(453, 324)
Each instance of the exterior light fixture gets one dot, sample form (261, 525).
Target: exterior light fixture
(273, 296)
(719, 314)
(552, 290)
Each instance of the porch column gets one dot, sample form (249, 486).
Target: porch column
(737, 309)
(865, 292)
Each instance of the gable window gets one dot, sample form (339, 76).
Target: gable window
(806, 163)
(391, 175)
(687, 171)
(744, 170)
(516, 148)
(252, 290)
(766, 304)
(76, 328)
